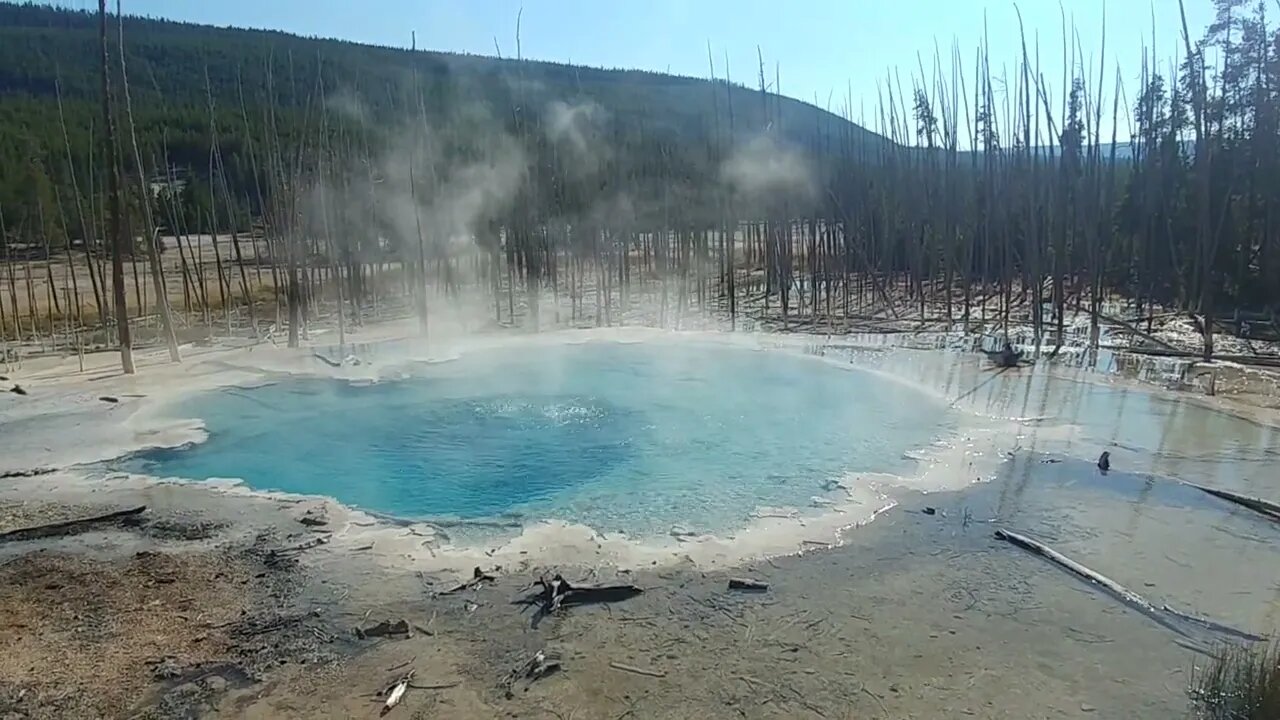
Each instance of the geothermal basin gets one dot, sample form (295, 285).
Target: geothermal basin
(638, 438)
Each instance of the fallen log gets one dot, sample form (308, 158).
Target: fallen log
(25, 473)
(314, 542)
(1258, 505)
(557, 593)
(478, 578)
(435, 686)
(1213, 625)
(1255, 360)
(565, 594)
(1159, 615)
(1054, 556)
(637, 670)
(326, 361)
(281, 556)
(748, 584)
(1129, 327)
(69, 527)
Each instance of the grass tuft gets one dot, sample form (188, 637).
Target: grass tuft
(1241, 683)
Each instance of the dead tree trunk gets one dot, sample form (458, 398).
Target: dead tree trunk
(117, 208)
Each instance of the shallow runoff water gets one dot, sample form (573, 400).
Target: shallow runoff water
(638, 438)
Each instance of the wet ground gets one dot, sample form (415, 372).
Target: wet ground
(917, 615)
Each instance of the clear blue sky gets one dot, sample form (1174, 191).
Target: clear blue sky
(824, 48)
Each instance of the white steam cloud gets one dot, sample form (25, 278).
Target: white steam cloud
(578, 131)
(763, 168)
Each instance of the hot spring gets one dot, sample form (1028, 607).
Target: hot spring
(623, 437)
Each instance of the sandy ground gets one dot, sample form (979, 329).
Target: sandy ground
(913, 615)
(148, 617)
(918, 615)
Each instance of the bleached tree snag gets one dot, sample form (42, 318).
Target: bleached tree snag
(117, 206)
(150, 234)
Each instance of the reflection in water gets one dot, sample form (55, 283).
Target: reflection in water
(1138, 523)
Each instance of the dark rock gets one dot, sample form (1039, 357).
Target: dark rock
(215, 683)
(315, 517)
(384, 628)
(748, 584)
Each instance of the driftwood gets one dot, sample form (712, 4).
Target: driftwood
(1131, 328)
(1057, 558)
(435, 686)
(1256, 360)
(535, 668)
(69, 527)
(637, 670)
(1159, 615)
(478, 578)
(326, 361)
(25, 473)
(1213, 624)
(557, 593)
(395, 693)
(282, 555)
(314, 542)
(1258, 505)
(748, 584)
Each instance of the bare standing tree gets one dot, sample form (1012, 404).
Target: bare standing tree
(150, 236)
(117, 208)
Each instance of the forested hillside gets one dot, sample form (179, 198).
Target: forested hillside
(360, 176)
(254, 79)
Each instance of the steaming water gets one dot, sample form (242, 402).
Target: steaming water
(635, 438)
